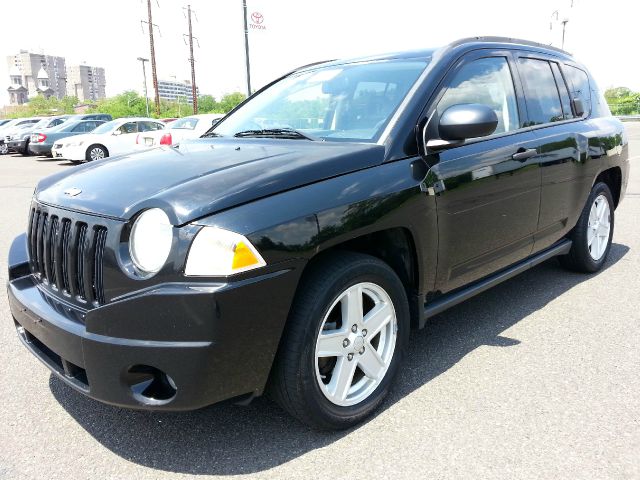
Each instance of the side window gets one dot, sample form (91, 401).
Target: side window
(579, 86)
(486, 81)
(562, 88)
(129, 127)
(149, 126)
(540, 91)
(81, 127)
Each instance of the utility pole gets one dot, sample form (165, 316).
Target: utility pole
(144, 75)
(153, 56)
(564, 27)
(246, 47)
(194, 90)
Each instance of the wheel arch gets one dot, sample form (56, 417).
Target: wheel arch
(394, 246)
(612, 177)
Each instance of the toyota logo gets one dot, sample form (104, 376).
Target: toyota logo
(257, 17)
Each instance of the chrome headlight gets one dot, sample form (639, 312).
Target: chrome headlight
(150, 240)
(215, 251)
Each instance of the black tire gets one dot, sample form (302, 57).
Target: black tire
(4, 149)
(101, 148)
(579, 258)
(25, 152)
(293, 382)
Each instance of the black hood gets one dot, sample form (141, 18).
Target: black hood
(202, 176)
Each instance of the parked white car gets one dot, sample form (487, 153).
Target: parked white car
(116, 137)
(181, 129)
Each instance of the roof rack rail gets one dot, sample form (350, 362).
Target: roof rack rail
(308, 65)
(519, 41)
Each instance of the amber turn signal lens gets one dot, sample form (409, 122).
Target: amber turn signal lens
(243, 257)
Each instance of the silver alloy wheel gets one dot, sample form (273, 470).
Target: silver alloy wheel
(599, 227)
(96, 153)
(4, 149)
(356, 343)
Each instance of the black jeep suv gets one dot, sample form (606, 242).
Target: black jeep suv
(291, 249)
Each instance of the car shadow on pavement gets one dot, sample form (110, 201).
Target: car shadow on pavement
(62, 163)
(228, 439)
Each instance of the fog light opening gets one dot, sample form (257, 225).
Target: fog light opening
(150, 385)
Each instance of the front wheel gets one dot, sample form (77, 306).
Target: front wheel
(4, 148)
(344, 342)
(96, 152)
(593, 233)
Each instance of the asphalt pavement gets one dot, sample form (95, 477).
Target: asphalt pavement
(537, 378)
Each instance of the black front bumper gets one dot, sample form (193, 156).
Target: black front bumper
(173, 347)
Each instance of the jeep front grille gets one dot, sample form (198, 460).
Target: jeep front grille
(66, 254)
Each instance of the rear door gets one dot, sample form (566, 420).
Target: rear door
(560, 140)
(488, 189)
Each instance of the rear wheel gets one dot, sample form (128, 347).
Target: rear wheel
(96, 152)
(593, 233)
(343, 343)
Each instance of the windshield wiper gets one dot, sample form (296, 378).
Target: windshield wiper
(210, 135)
(288, 133)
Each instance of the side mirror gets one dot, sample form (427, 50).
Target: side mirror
(117, 132)
(578, 106)
(470, 120)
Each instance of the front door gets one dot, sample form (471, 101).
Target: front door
(124, 142)
(487, 189)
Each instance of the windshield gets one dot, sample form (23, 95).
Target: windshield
(28, 123)
(187, 123)
(339, 103)
(107, 127)
(42, 123)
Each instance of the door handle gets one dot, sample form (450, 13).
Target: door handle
(524, 153)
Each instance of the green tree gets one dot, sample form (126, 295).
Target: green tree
(126, 104)
(230, 101)
(40, 105)
(207, 104)
(617, 92)
(623, 101)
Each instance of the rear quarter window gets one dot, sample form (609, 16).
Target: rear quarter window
(579, 86)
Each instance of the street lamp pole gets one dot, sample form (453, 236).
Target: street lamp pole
(564, 26)
(144, 75)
